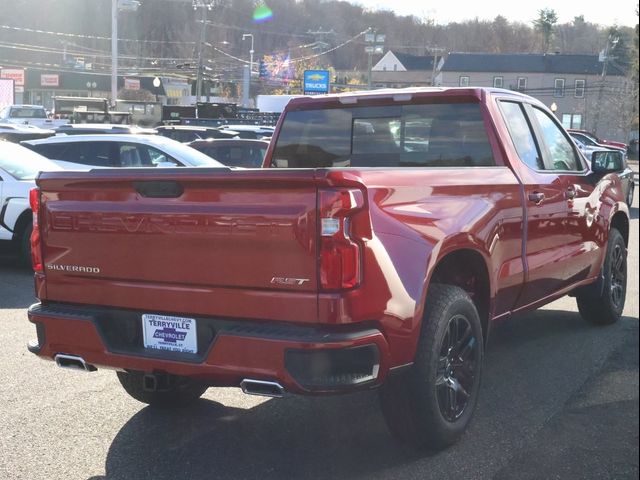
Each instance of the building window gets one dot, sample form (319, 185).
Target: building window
(498, 82)
(572, 120)
(395, 67)
(579, 90)
(464, 81)
(558, 88)
(522, 84)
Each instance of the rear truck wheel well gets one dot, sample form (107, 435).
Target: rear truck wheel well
(467, 270)
(621, 223)
(24, 219)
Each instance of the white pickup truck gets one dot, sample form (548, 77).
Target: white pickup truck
(35, 115)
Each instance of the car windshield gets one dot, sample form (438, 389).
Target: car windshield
(21, 163)
(28, 112)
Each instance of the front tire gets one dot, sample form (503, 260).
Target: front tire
(431, 405)
(179, 391)
(602, 303)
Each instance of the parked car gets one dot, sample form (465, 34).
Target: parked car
(18, 170)
(16, 132)
(235, 152)
(188, 133)
(591, 141)
(29, 115)
(599, 141)
(359, 264)
(616, 161)
(119, 151)
(102, 128)
(250, 131)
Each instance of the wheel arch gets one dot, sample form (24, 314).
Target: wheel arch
(23, 220)
(467, 268)
(620, 221)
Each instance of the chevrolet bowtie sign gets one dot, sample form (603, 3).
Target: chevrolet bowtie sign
(316, 82)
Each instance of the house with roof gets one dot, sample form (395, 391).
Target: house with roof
(403, 70)
(584, 91)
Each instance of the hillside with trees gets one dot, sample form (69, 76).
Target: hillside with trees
(164, 35)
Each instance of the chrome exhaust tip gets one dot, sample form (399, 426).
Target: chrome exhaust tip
(262, 388)
(73, 362)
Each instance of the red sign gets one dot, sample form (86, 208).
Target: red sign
(131, 84)
(49, 80)
(15, 74)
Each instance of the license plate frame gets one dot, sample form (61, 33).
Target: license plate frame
(169, 333)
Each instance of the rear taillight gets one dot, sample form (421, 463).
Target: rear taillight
(36, 254)
(339, 262)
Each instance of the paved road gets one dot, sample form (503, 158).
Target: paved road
(559, 400)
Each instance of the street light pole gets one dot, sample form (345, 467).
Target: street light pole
(114, 51)
(247, 95)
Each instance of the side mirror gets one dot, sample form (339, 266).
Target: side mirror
(607, 161)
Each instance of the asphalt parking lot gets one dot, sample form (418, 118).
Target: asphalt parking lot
(559, 400)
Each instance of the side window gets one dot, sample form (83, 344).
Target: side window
(521, 135)
(53, 151)
(563, 155)
(157, 157)
(94, 154)
(133, 156)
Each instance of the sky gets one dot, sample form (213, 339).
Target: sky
(619, 12)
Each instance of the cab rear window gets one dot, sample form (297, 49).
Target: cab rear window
(429, 135)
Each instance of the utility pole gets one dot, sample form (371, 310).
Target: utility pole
(435, 51)
(116, 5)
(605, 60)
(206, 6)
(374, 44)
(114, 51)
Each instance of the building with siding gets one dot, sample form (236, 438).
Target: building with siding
(403, 70)
(584, 92)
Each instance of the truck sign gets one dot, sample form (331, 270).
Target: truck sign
(316, 82)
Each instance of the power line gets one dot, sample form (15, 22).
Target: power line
(92, 37)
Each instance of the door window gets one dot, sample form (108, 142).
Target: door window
(521, 135)
(562, 155)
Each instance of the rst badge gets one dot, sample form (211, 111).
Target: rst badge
(289, 281)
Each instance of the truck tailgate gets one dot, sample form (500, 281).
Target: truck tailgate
(176, 239)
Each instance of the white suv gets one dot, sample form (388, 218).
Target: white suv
(18, 170)
(103, 151)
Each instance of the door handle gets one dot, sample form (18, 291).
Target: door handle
(536, 197)
(571, 193)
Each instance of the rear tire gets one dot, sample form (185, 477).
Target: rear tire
(630, 194)
(25, 245)
(431, 405)
(603, 302)
(180, 391)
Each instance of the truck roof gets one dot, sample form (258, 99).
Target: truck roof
(398, 95)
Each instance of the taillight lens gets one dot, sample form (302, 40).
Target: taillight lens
(36, 254)
(339, 262)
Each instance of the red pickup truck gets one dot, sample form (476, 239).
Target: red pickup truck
(386, 234)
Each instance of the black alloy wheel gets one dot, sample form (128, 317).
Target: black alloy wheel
(431, 404)
(457, 368)
(618, 276)
(602, 302)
